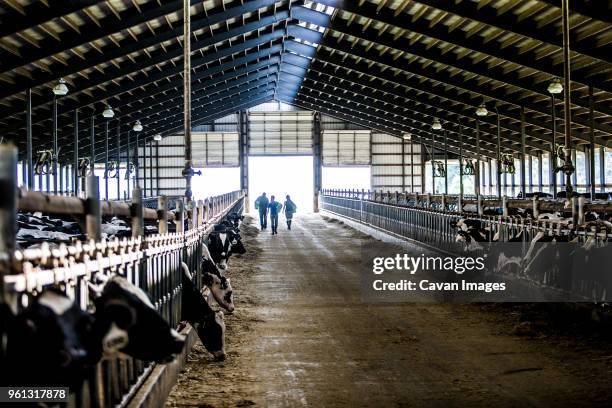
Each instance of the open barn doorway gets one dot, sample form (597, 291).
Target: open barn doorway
(282, 175)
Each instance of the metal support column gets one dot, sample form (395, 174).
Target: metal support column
(243, 145)
(567, 113)
(55, 145)
(499, 178)
(412, 167)
(445, 164)
(540, 166)
(523, 153)
(592, 177)
(433, 179)
(151, 169)
(59, 179)
(490, 168)
(460, 162)
(75, 155)
(530, 177)
(403, 161)
(477, 167)
(157, 188)
(92, 138)
(119, 160)
(187, 171)
(8, 211)
(602, 169)
(317, 160)
(128, 167)
(29, 139)
(553, 153)
(144, 168)
(106, 161)
(137, 162)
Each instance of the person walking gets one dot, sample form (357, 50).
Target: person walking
(275, 207)
(261, 204)
(289, 208)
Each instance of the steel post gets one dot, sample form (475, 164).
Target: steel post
(29, 147)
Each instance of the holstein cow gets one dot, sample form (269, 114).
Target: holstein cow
(235, 219)
(219, 285)
(223, 242)
(470, 233)
(127, 322)
(50, 343)
(208, 323)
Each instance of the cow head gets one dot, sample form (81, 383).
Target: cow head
(208, 324)
(221, 290)
(127, 321)
(50, 342)
(211, 331)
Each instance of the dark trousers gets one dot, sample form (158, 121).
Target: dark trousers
(263, 219)
(274, 219)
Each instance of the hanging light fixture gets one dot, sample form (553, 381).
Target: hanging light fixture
(157, 137)
(407, 136)
(61, 88)
(482, 110)
(108, 113)
(555, 86)
(137, 126)
(436, 124)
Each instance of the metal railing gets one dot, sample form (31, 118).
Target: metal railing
(414, 216)
(477, 205)
(152, 263)
(432, 228)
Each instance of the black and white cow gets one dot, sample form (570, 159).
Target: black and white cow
(235, 219)
(50, 343)
(220, 286)
(127, 322)
(223, 242)
(470, 233)
(197, 312)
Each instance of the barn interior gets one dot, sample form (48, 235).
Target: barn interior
(137, 138)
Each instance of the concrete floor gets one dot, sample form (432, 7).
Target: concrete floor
(302, 337)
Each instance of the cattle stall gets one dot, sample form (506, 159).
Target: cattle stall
(151, 263)
(430, 221)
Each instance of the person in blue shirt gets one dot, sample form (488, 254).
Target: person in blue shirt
(275, 207)
(289, 208)
(261, 204)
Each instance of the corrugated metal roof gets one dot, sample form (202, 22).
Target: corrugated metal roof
(389, 65)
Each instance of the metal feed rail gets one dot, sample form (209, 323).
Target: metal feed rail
(471, 205)
(432, 228)
(152, 263)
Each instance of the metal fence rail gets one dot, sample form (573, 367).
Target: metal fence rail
(152, 263)
(432, 228)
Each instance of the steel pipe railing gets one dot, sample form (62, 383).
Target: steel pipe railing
(152, 263)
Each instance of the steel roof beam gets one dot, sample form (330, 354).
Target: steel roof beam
(471, 85)
(137, 63)
(481, 68)
(597, 10)
(97, 102)
(349, 116)
(38, 13)
(111, 24)
(268, 67)
(372, 108)
(346, 91)
(421, 26)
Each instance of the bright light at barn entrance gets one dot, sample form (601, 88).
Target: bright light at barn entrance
(215, 181)
(282, 175)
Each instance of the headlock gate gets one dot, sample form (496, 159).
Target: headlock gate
(153, 263)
